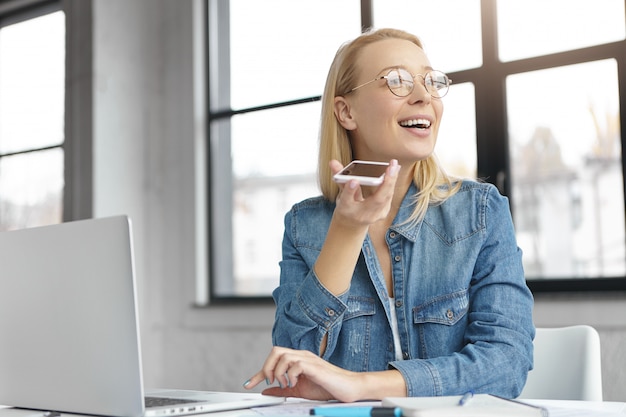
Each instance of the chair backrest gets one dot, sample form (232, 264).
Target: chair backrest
(567, 365)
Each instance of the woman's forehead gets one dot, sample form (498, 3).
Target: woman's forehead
(391, 53)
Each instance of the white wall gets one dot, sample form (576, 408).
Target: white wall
(145, 147)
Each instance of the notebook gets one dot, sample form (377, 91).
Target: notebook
(478, 405)
(69, 329)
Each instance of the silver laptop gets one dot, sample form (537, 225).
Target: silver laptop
(69, 332)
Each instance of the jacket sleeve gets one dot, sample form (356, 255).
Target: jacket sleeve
(498, 349)
(305, 310)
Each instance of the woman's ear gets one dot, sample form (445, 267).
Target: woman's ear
(343, 113)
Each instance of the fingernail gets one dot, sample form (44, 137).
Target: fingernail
(279, 384)
(245, 384)
(267, 381)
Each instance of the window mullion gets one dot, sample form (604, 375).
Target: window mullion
(367, 18)
(219, 149)
(491, 129)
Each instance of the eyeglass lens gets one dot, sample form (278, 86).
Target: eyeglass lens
(401, 82)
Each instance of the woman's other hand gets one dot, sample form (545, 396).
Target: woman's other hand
(302, 374)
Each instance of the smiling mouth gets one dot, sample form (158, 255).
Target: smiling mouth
(416, 123)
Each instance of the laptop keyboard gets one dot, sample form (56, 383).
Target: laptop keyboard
(160, 401)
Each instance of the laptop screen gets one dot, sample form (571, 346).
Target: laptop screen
(68, 319)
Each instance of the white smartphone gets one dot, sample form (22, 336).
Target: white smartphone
(365, 172)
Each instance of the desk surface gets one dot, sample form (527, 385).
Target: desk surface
(300, 408)
(556, 408)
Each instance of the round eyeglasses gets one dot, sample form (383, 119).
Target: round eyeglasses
(401, 82)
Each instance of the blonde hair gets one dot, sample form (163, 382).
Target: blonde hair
(434, 185)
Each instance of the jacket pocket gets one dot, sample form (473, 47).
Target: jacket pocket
(446, 309)
(440, 324)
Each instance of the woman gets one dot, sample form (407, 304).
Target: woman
(411, 288)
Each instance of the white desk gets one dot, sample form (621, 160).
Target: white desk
(300, 408)
(556, 408)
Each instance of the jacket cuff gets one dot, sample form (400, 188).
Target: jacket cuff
(422, 379)
(319, 304)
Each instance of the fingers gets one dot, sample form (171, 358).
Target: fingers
(303, 374)
(392, 171)
(286, 365)
(391, 175)
(255, 380)
(267, 373)
(335, 166)
(282, 366)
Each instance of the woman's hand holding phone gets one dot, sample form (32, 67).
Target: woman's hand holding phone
(364, 206)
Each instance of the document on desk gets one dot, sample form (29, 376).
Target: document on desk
(478, 405)
(566, 408)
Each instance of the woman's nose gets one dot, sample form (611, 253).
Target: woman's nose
(420, 93)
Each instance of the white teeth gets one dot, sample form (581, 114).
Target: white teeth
(421, 123)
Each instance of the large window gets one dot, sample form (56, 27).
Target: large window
(32, 98)
(535, 107)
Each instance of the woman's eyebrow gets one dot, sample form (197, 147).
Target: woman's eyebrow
(426, 68)
(390, 68)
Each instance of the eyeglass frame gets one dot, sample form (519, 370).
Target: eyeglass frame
(423, 76)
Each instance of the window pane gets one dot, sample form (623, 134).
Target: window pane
(449, 29)
(456, 144)
(31, 189)
(32, 83)
(528, 28)
(566, 163)
(274, 162)
(276, 143)
(286, 54)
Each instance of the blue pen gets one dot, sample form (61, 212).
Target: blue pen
(466, 398)
(349, 411)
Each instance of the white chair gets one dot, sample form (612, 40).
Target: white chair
(567, 365)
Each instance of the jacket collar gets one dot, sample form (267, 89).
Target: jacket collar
(409, 229)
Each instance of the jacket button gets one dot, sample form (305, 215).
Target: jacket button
(450, 314)
(330, 311)
(397, 258)
(398, 303)
(392, 235)
(405, 355)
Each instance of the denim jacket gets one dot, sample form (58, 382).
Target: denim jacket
(464, 311)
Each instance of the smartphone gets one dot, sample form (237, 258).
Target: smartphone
(365, 172)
